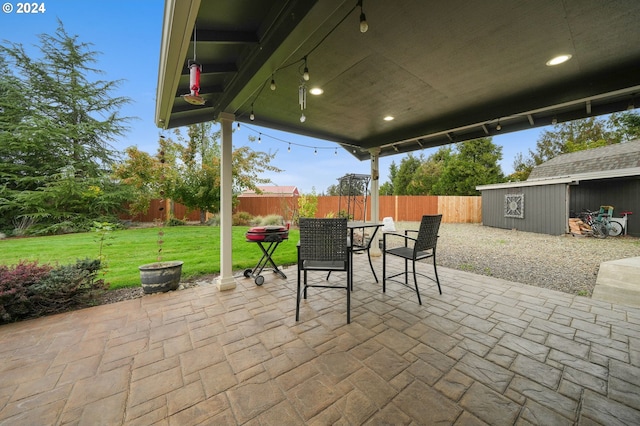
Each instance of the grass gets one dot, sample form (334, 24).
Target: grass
(197, 246)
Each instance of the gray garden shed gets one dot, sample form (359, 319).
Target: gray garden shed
(566, 185)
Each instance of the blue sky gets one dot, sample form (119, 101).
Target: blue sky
(128, 33)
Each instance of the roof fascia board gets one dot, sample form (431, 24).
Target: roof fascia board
(179, 17)
(507, 185)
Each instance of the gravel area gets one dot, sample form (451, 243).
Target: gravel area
(565, 263)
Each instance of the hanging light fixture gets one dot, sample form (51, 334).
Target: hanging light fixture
(252, 115)
(364, 26)
(305, 74)
(195, 69)
(273, 83)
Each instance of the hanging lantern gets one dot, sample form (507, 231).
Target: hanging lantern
(194, 97)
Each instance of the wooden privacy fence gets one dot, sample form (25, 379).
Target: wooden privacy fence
(402, 208)
(154, 212)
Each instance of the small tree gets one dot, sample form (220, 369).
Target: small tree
(307, 204)
(141, 173)
(197, 168)
(191, 172)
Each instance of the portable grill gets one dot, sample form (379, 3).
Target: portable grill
(271, 236)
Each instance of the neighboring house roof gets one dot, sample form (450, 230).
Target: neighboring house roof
(607, 158)
(612, 161)
(272, 191)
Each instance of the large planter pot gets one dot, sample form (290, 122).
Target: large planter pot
(160, 276)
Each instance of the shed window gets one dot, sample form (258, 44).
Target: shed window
(514, 205)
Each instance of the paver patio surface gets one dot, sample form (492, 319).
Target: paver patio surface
(486, 351)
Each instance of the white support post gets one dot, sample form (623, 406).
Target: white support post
(375, 197)
(226, 281)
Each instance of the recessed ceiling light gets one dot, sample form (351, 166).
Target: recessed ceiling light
(560, 59)
(389, 118)
(316, 91)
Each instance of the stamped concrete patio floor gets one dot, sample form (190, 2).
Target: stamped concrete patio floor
(485, 351)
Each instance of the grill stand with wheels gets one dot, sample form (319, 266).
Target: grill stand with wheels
(272, 237)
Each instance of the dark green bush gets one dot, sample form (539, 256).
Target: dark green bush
(30, 290)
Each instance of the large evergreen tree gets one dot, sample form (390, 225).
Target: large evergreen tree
(56, 128)
(451, 170)
(402, 182)
(387, 188)
(475, 162)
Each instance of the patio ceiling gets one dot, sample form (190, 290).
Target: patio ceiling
(446, 71)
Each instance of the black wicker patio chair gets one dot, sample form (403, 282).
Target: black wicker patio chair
(415, 248)
(323, 247)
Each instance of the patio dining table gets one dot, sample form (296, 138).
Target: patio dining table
(363, 243)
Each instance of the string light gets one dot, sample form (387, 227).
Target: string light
(289, 143)
(364, 26)
(305, 74)
(363, 19)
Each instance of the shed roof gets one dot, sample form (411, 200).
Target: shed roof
(607, 158)
(613, 161)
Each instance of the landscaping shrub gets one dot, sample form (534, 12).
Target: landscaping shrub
(272, 219)
(242, 219)
(30, 290)
(213, 220)
(14, 288)
(176, 222)
(307, 205)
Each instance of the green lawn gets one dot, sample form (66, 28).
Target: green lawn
(197, 246)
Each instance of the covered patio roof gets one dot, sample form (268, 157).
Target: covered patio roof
(446, 71)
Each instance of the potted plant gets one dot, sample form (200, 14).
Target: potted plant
(161, 276)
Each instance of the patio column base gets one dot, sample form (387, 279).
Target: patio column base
(225, 283)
